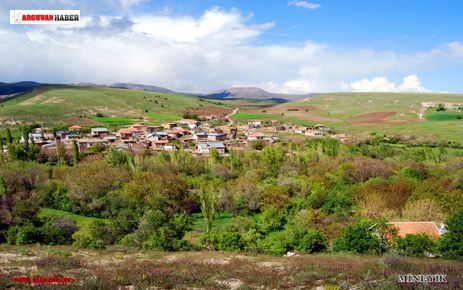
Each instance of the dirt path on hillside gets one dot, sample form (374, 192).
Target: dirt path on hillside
(228, 117)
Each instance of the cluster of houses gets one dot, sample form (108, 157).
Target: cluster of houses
(189, 134)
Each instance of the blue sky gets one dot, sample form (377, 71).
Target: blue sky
(285, 46)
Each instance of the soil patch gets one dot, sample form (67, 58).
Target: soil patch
(373, 118)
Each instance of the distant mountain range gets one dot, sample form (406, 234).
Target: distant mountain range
(229, 93)
(19, 87)
(148, 88)
(253, 93)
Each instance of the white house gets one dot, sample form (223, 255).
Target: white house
(205, 147)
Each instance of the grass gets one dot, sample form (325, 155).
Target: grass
(219, 222)
(82, 222)
(244, 116)
(114, 121)
(433, 115)
(199, 226)
(117, 267)
(338, 110)
(49, 104)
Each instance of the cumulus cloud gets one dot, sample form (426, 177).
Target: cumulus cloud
(304, 4)
(217, 49)
(410, 83)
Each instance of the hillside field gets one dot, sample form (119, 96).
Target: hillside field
(380, 113)
(51, 104)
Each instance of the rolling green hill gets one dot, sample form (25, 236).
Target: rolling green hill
(50, 104)
(381, 113)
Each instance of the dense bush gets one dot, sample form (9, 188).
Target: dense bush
(276, 244)
(230, 241)
(86, 241)
(415, 245)
(451, 242)
(23, 235)
(311, 242)
(359, 238)
(301, 194)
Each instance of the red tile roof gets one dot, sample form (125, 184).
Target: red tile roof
(429, 229)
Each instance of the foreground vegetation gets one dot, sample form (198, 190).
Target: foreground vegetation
(309, 195)
(124, 267)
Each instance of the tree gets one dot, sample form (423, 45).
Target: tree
(208, 201)
(26, 138)
(214, 156)
(415, 245)
(236, 165)
(9, 138)
(359, 238)
(3, 189)
(75, 153)
(60, 151)
(451, 243)
(1, 149)
(272, 158)
(313, 241)
(441, 107)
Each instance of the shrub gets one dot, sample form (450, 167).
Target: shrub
(271, 220)
(86, 241)
(230, 241)
(58, 231)
(338, 203)
(313, 241)
(451, 243)
(358, 238)
(415, 245)
(23, 235)
(157, 231)
(275, 244)
(209, 240)
(251, 240)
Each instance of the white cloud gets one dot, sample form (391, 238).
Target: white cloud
(304, 4)
(410, 83)
(217, 49)
(456, 47)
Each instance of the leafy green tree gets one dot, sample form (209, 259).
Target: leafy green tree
(17, 152)
(415, 245)
(230, 241)
(272, 158)
(359, 238)
(1, 149)
(75, 153)
(451, 242)
(85, 241)
(208, 202)
(9, 138)
(271, 220)
(236, 165)
(311, 242)
(214, 156)
(23, 235)
(162, 233)
(60, 152)
(26, 138)
(3, 189)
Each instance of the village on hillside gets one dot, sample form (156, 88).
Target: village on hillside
(193, 135)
